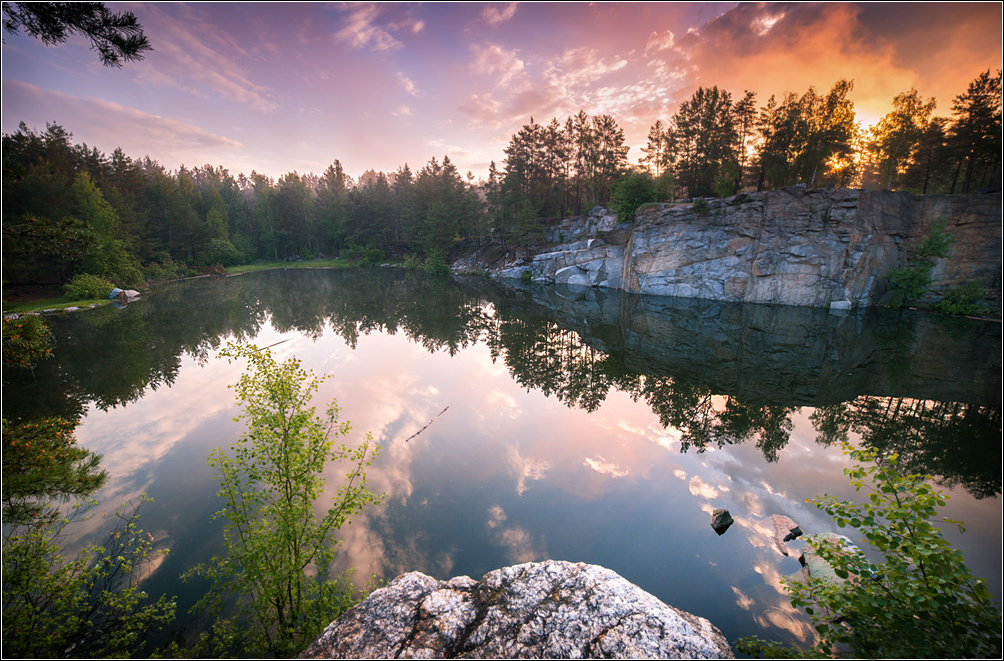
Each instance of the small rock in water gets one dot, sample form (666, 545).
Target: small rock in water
(721, 520)
(785, 530)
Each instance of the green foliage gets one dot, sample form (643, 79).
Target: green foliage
(34, 245)
(909, 283)
(412, 261)
(88, 606)
(26, 340)
(221, 251)
(85, 286)
(112, 261)
(42, 463)
(165, 268)
(705, 139)
(632, 191)
(965, 300)
(110, 256)
(435, 264)
(725, 180)
(368, 256)
(921, 601)
(701, 206)
(278, 551)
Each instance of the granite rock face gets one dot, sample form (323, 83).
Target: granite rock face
(550, 609)
(820, 247)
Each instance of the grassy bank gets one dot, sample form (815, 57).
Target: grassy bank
(51, 304)
(54, 304)
(335, 263)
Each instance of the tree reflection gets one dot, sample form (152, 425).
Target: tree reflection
(720, 374)
(956, 441)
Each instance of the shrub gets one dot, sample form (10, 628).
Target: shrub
(435, 264)
(965, 300)
(412, 261)
(112, 260)
(630, 192)
(368, 256)
(42, 463)
(921, 601)
(909, 283)
(221, 251)
(90, 606)
(85, 286)
(165, 268)
(55, 605)
(279, 550)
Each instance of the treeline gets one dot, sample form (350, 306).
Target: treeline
(718, 145)
(70, 209)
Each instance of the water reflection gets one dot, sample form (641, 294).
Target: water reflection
(718, 374)
(582, 424)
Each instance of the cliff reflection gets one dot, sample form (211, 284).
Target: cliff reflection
(718, 373)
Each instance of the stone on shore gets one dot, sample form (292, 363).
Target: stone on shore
(549, 609)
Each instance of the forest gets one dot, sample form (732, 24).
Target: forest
(70, 209)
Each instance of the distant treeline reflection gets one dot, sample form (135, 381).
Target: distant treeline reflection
(720, 374)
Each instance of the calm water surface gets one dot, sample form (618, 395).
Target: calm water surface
(579, 424)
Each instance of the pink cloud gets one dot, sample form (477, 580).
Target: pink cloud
(495, 15)
(659, 41)
(361, 29)
(108, 125)
(493, 59)
(204, 57)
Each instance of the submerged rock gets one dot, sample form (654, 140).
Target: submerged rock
(721, 520)
(549, 609)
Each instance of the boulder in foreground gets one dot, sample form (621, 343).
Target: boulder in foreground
(549, 609)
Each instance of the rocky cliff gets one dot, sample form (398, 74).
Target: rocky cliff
(820, 247)
(549, 609)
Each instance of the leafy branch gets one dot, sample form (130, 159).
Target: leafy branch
(921, 601)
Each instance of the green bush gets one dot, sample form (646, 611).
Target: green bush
(90, 606)
(701, 206)
(56, 604)
(965, 300)
(921, 601)
(630, 192)
(85, 286)
(221, 251)
(165, 268)
(909, 283)
(435, 264)
(113, 261)
(366, 256)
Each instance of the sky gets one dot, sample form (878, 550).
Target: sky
(283, 87)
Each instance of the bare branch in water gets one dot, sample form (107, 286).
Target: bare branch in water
(426, 425)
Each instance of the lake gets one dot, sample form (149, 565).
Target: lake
(569, 423)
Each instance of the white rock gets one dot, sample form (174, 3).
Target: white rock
(549, 609)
